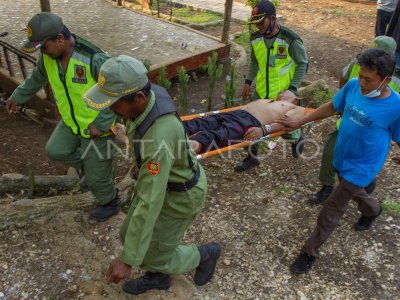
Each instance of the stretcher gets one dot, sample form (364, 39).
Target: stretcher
(240, 145)
(232, 147)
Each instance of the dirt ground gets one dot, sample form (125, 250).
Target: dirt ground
(261, 218)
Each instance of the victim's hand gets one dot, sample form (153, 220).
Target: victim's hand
(117, 271)
(289, 123)
(11, 106)
(94, 132)
(253, 133)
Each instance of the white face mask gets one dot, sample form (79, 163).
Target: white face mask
(375, 93)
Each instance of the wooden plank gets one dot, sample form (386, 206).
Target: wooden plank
(45, 5)
(8, 61)
(39, 102)
(23, 67)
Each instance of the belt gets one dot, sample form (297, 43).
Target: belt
(184, 186)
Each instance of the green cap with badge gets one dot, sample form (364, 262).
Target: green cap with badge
(386, 43)
(118, 77)
(41, 27)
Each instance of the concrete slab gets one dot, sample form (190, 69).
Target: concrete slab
(114, 29)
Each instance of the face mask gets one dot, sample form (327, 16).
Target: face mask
(375, 93)
(270, 27)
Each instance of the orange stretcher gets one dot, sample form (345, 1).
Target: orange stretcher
(240, 145)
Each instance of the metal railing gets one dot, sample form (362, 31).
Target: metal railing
(23, 58)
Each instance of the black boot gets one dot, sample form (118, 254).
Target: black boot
(371, 187)
(321, 195)
(298, 148)
(209, 255)
(249, 162)
(104, 212)
(365, 222)
(302, 264)
(149, 281)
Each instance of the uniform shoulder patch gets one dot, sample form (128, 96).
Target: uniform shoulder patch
(153, 168)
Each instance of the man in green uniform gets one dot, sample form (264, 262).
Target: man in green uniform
(327, 174)
(278, 64)
(171, 186)
(71, 65)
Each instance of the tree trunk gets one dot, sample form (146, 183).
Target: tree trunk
(40, 185)
(45, 5)
(23, 212)
(227, 21)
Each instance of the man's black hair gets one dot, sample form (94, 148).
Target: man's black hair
(145, 90)
(65, 32)
(379, 60)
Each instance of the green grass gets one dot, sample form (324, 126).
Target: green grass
(283, 189)
(197, 17)
(243, 39)
(391, 206)
(191, 16)
(322, 96)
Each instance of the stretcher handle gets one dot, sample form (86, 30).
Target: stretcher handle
(239, 145)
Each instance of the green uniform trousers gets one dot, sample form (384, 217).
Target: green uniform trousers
(165, 254)
(94, 155)
(327, 173)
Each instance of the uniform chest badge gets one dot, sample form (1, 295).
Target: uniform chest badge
(281, 52)
(79, 74)
(153, 168)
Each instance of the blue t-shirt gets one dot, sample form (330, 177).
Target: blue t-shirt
(364, 136)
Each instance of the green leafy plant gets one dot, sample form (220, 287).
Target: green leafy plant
(243, 39)
(391, 206)
(147, 64)
(214, 71)
(162, 79)
(230, 86)
(183, 78)
(316, 94)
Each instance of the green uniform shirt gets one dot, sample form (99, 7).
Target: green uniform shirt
(296, 50)
(38, 79)
(164, 159)
(348, 74)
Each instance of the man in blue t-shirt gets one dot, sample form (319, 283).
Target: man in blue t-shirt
(371, 118)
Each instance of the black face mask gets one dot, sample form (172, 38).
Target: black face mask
(270, 27)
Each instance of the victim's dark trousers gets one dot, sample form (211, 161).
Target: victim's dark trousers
(333, 210)
(220, 130)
